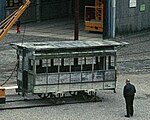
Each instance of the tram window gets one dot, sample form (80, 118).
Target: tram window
(48, 62)
(81, 60)
(39, 67)
(87, 66)
(66, 61)
(71, 61)
(75, 61)
(51, 62)
(57, 62)
(102, 62)
(77, 65)
(37, 62)
(53, 66)
(89, 60)
(99, 63)
(30, 64)
(111, 62)
(53, 69)
(20, 62)
(64, 67)
(85, 60)
(44, 62)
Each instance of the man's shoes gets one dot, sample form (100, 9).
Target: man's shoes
(127, 116)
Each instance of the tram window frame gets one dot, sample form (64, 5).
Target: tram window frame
(57, 61)
(63, 66)
(83, 61)
(99, 63)
(76, 66)
(20, 61)
(113, 64)
(49, 62)
(110, 62)
(53, 67)
(71, 61)
(67, 61)
(44, 62)
(39, 66)
(90, 60)
(31, 63)
(37, 62)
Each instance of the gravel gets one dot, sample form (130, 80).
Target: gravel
(133, 63)
(111, 107)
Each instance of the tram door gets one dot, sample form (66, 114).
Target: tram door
(22, 71)
(25, 70)
(25, 80)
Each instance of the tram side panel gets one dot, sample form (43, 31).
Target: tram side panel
(45, 75)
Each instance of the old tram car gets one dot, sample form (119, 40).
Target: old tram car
(57, 67)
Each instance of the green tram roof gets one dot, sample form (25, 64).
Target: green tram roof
(66, 44)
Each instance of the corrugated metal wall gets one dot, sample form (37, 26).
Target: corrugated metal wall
(2, 9)
(131, 19)
(61, 8)
(54, 9)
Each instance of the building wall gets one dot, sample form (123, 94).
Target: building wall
(128, 19)
(132, 19)
(29, 14)
(2, 9)
(54, 9)
(61, 8)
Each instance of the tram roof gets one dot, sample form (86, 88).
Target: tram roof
(67, 44)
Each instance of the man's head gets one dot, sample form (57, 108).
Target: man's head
(127, 81)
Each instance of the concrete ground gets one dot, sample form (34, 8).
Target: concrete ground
(63, 29)
(133, 62)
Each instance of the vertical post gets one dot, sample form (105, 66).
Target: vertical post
(105, 19)
(113, 18)
(109, 18)
(76, 24)
(38, 12)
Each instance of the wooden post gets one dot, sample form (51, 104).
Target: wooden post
(76, 24)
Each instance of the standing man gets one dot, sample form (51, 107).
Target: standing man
(129, 92)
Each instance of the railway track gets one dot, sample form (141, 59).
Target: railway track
(38, 102)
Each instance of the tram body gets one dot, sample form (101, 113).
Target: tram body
(57, 67)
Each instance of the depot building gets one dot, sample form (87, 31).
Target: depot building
(110, 17)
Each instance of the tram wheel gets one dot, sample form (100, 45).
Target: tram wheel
(73, 93)
(43, 95)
